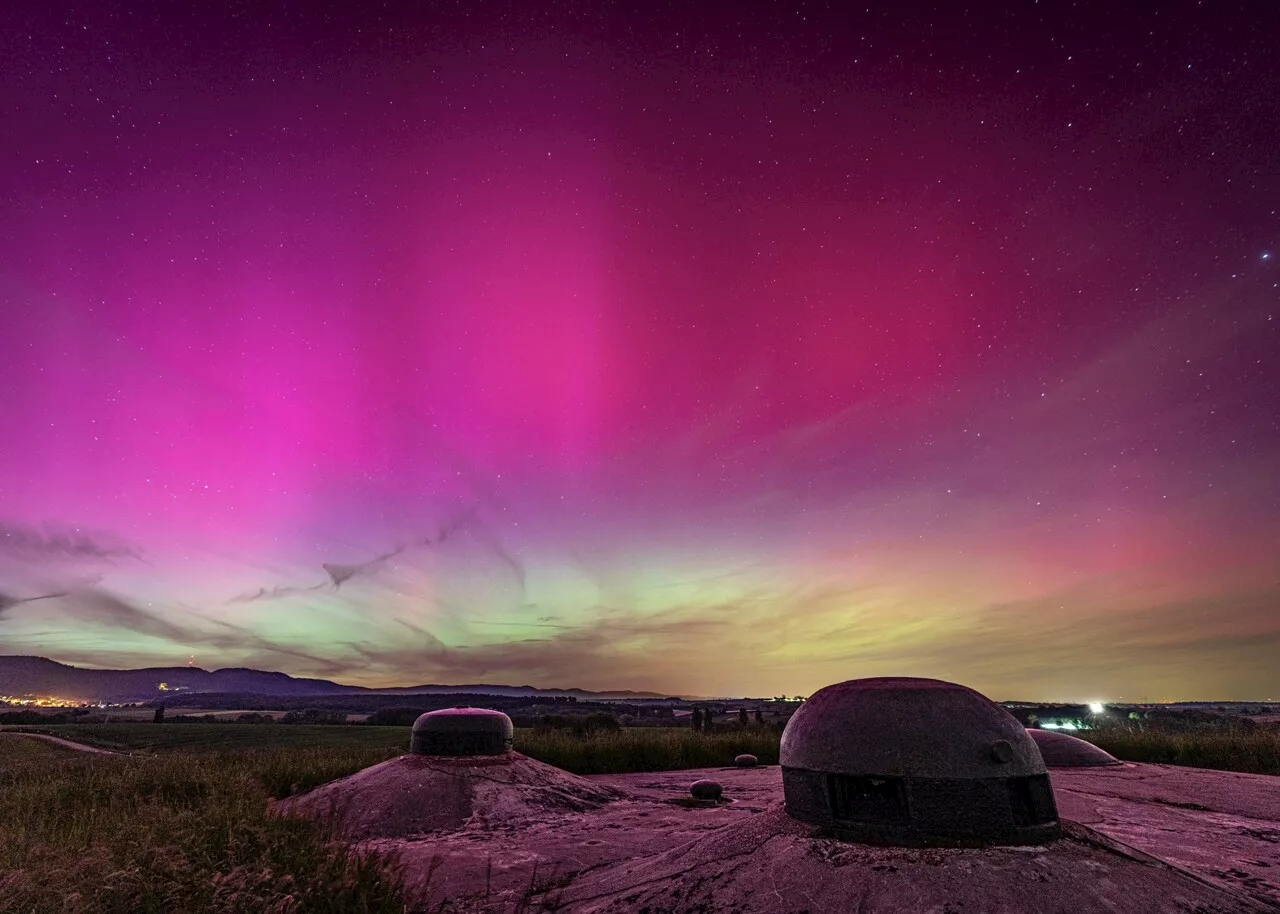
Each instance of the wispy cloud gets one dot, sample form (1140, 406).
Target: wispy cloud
(8, 601)
(30, 544)
(101, 608)
(464, 522)
(274, 593)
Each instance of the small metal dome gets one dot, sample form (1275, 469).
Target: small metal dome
(1061, 751)
(462, 731)
(915, 762)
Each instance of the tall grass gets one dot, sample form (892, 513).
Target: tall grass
(646, 749)
(177, 833)
(1224, 748)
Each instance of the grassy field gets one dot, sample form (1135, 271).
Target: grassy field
(176, 832)
(641, 749)
(638, 749)
(1256, 751)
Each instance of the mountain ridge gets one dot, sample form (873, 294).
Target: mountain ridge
(25, 674)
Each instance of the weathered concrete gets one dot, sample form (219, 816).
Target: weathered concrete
(1062, 751)
(1217, 833)
(706, 789)
(1222, 825)
(416, 795)
(771, 863)
(908, 728)
(907, 762)
(461, 731)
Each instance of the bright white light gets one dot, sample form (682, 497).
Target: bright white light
(1097, 707)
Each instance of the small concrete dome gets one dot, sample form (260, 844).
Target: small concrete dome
(462, 731)
(915, 762)
(1061, 751)
(706, 790)
(746, 760)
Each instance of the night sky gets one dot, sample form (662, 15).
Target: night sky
(731, 350)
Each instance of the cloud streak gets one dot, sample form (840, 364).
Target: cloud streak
(8, 601)
(99, 608)
(338, 574)
(27, 543)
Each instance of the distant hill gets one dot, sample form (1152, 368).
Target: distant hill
(23, 675)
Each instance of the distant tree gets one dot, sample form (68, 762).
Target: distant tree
(254, 717)
(158, 717)
(742, 716)
(394, 717)
(600, 723)
(759, 718)
(696, 719)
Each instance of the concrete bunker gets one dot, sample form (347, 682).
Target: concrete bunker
(915, 763)
(1062, 751)
(460, 769)
(461, 731)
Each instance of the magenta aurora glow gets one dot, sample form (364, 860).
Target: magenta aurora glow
(720, 352)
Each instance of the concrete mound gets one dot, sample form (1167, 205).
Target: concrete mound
(420, 795)
(1061, 751)
(772, 863)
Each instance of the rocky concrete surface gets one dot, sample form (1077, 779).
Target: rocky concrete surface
(1149, 838)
